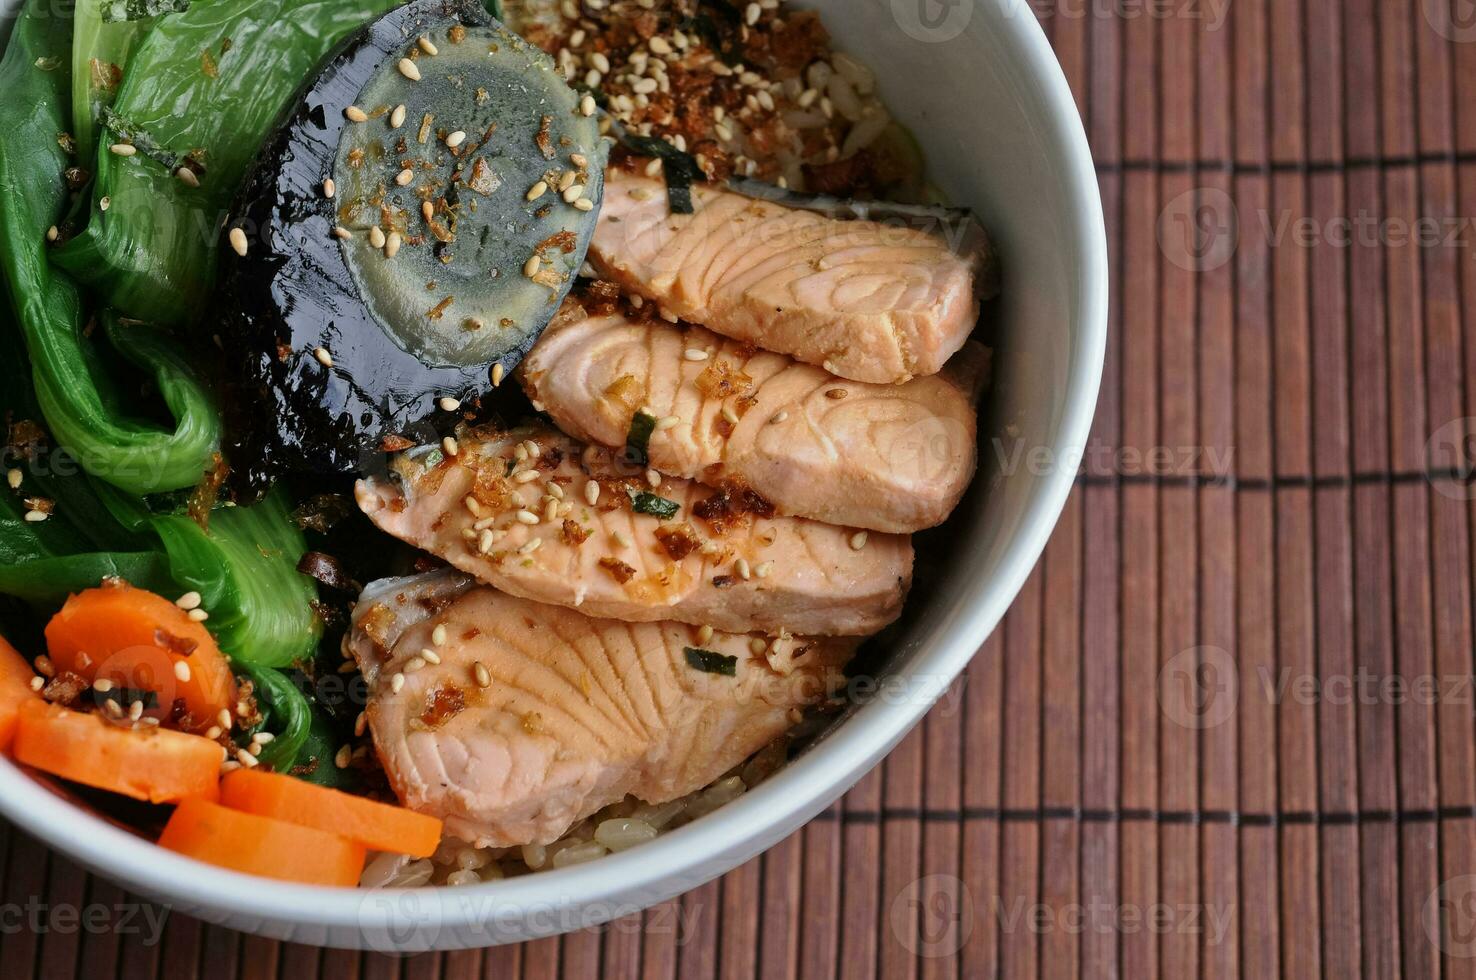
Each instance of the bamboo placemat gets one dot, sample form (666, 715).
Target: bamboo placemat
(1185, 753)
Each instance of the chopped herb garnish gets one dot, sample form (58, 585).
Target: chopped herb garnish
(711, 663)
(649, 503)
(638, 440)
(121, 10)
(126, 132)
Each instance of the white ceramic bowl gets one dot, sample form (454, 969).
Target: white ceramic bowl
(979, 85)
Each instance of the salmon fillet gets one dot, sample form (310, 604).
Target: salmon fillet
(526, 527)
(894, 458)
(576, 713)
(865, 300)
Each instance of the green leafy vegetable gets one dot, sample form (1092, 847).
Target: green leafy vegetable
(152, 254)
(286, 714)
(638, 440)
(649, 503)
(126, 132)
(103, 38)
(115, 11)
(711, 663)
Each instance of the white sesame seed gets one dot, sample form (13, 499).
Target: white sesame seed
(427, 46)
(693, 354)
(449, 404)
(414, 664)
(404, 177)
(551, 511)
(778, 417)
(182, 672)
(344, 756)
(102, 685)
(527, 517)
(579, 160)
(104, 203)
(430, 656)
(392, 243)
(354, 114)
(187, 177)
(669, 422)
(113, 709)
(531, 546)
(438, 635)
(340, 232)
(555, 491)
(397, 117)
(198, 615)
(449, 446)
(593, 78)
(408, 69)
(190, 600)
(321, 355)
(538, 190)
(213, 732)
(574, 193)
(329, 188)
(858, 540)
(35, 516)
(397, 683)
(667, 315)
(653, 168)
(526, 476)
(52, 233)
(587, 105)
(763, 569)
(225, 719)
(376, 237)
(262, 738)
(741, 567)
(757, 646)
(653, 478)
(704, 635)
(254, 748)
(484, 676)
(485, 541)
(730, 416)
(620, 538)
(38, 682)
(453, 140)
(531, 267)
(584, 204)
(238, 241)
(659, 45)
(123, 149)
(645, 86)
(427, 210)
(473, 506)
(361, 724)
(14, 478)
(592, 492)
(497, 372)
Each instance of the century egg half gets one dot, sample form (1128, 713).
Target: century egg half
(398, 254)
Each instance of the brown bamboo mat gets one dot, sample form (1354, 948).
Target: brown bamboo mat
(1187, 752)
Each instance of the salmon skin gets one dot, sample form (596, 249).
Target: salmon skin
(869, 301)
(892, 458)
(511, 508)
(533, 717)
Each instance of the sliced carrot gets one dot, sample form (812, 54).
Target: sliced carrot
(142, 642)
(151, 764)
(378, 826)
(262, 846)
(15, 690)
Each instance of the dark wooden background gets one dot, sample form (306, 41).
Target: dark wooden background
(1182, 754)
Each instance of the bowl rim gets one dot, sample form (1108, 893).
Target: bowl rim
(703, 849)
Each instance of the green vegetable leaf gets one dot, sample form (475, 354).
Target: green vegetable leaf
(116, 11)
(287, 715)
(711, 663)
(638, 440)
(649, 503)
(126, 132)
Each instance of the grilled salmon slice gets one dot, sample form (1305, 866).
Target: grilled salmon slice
(533, 717)
(892, 458)
(865, 300)
(511, 508)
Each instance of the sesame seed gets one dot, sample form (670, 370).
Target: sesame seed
(667, 315)
(190, 600)
(397, 117)
(587, 105)
(579, 160)
(574, 193)
(527, 517)
(38, 682)
(659, 45)
(450, 446)
(757, 646)
(763, 569)
(254, 748)
(397, 683)
(472, 505)
(322, 356)
(646, 86)
(404, 177)
(484, 676)
(123, 149)
(246, 759)
(35, 516)
(329, 188)
(741, 567)
(344, 756)
(198, 615)
(620, 538)
(497, 372)
(453, 140)
(531, 267)
(485, 541)
(653, 478)
(858, 540)
(52, 233)
(778, 417)
(526, 476)
(354, 114)
(262, 738)
(213, 732)
(427, 46)
(182, 672)
(669, 422)
(225, 719)
(600, 62)
(555, 491)
(427, 210)
(392, 243)
(584, 204)
(14, 478)
(449, 404)
(113, 709)
(704, 635)
(238, 241)
(104, 203)
(361, 723)
(376, 237)
(592, 492)
(730, 416)
(102, 685)
(438, 635)
(695, 355)
(414, 664)
(531, 546)
(653, 168)
(340, 232)
(836, 394)
(551, 512)
(408, 69)
(538, 190)
(229, 766)
(430, 656)
(187, 177)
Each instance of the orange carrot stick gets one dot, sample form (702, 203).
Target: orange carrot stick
(15, 690)
(262, 846)
(378, 826)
